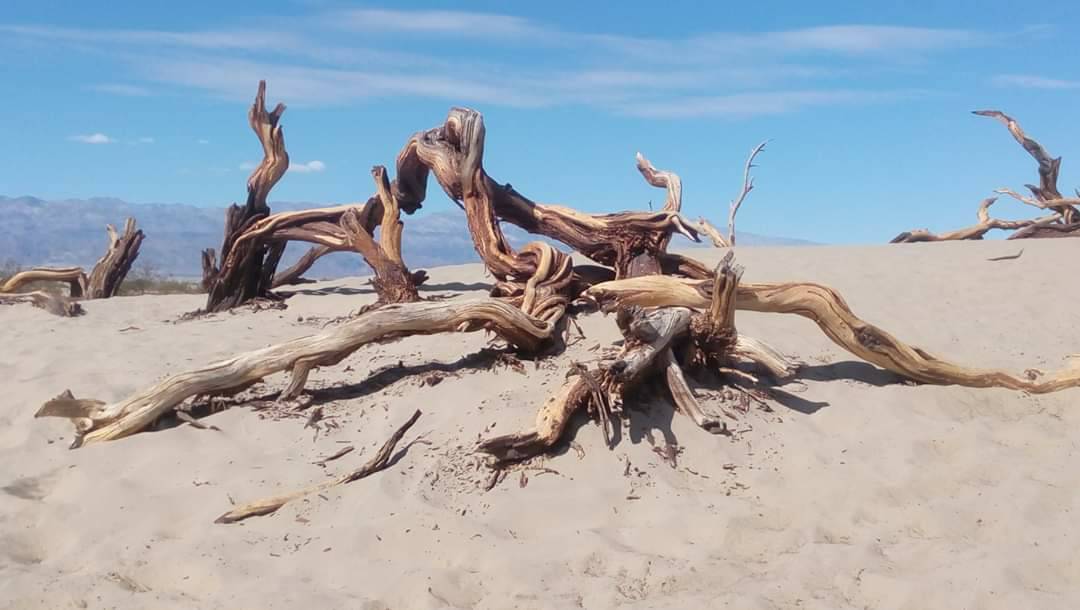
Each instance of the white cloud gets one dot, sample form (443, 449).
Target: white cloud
(347, 56)
(203, 141)
(1028, 81)
(121, 89)
(433, 22)
(93, 138)
(145, 140)
(307, 168)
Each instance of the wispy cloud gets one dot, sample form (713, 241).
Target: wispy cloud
(122, 89)
(321, 59)
(761, 103)
(310, 167)
(93, 138)
(247, 165)
(145, 140)
(1028, 81)
(462, 23)
(203, 141)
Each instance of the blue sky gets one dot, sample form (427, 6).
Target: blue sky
(867, 105)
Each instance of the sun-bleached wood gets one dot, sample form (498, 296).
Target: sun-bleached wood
(1063, 222)
(828, 310)
(96, 421)
(268, 506)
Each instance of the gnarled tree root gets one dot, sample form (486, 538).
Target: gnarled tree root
(96, 421)
(827, 308)
(652, 337)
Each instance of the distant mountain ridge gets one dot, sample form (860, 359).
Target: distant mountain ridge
(36, 232)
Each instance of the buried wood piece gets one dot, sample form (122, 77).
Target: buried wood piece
(96, 421)
(684, 397)
(268, 506)
(828, 309)
(648, 335)
(56, 304)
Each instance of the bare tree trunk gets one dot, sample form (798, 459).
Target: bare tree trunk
(109, 272)
(240, 276)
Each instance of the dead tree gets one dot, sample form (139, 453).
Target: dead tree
(105, 277)
(1064, 217)
(342, 228)
(246, 268)
(670, 324)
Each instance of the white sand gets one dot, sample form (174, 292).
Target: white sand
(856, 492)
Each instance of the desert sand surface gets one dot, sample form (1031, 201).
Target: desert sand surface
(858, 490)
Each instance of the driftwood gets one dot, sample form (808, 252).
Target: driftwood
(1064, 220)
(670, 325)
(827, 309)
(74, 277)
(246, 268)
(295, 273)
(96, 421)
(652, 337)
(342, 228)
(111, 269)
(268, 506)
(103, 282)
(56, 304)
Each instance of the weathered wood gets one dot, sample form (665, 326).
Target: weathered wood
(106, 276)
(111, 269)
(984, 225)
(56, 304)
(239, 276)
(1063, 222)
(268, 506)
(747, 186)
(295, 273)
(95, 421)
(827, 308)
(74, 277)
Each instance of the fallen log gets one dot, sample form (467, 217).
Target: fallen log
(96, 421)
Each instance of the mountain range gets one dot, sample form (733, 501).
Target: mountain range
(36, 232)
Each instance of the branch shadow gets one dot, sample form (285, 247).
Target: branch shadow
(850, 370)
(391, 374)
(345, 290)
(455, 287)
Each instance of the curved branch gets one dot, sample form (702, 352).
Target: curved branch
(977, 231)
(96, 421)
(747, 186)
(74, 276)
(1049, 167)
(828, 310)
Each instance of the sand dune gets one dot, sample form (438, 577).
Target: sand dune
(857, 491)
